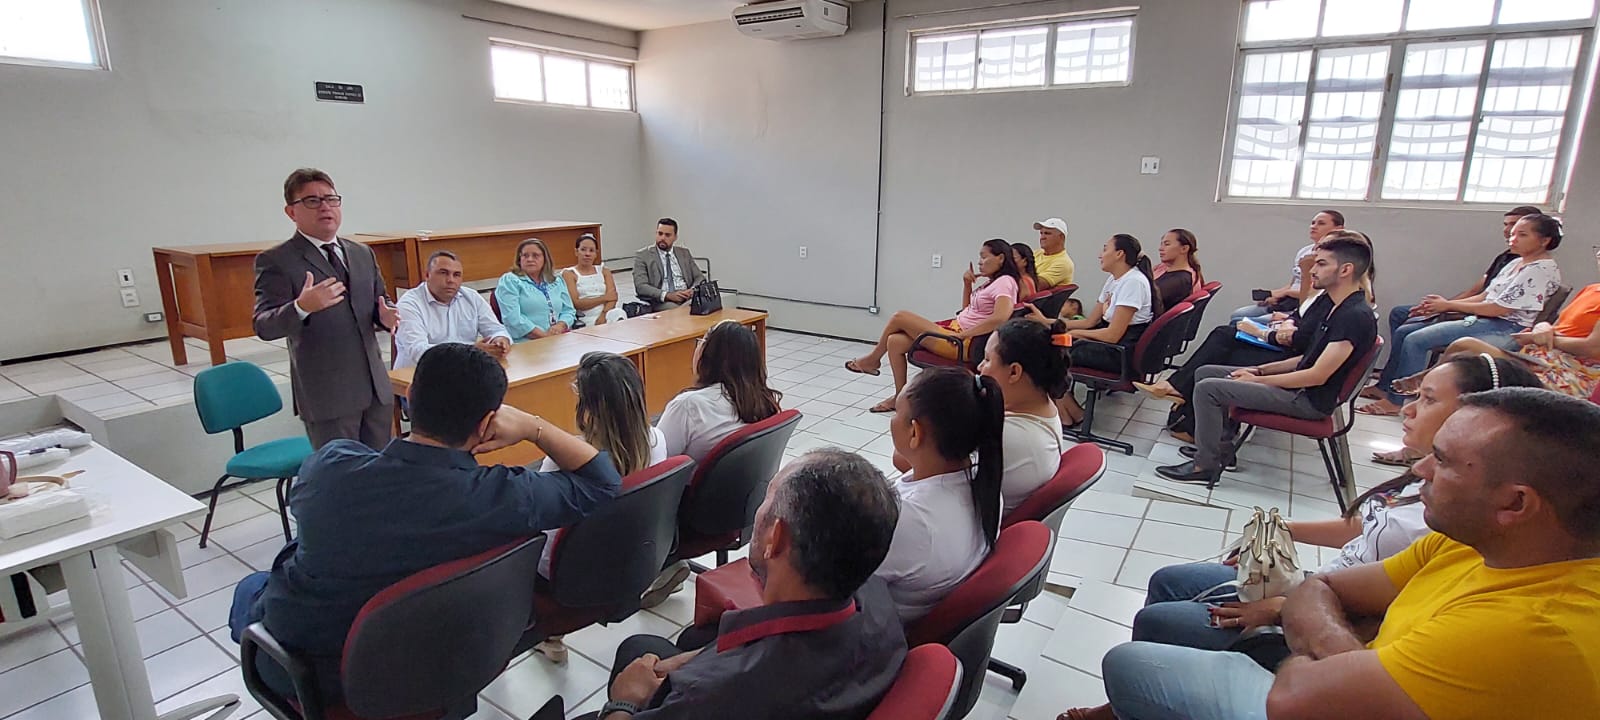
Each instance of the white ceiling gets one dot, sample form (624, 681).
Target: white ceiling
(636, 14)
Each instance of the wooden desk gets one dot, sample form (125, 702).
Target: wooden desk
(540, 373)
(668, 338)
(539, 376)
(489, 251)
(208, 291)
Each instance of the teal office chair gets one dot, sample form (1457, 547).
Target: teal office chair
(229, 397)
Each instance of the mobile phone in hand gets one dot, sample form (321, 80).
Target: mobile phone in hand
(1259, 295)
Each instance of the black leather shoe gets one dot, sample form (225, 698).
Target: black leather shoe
(1229, 464)
(1189, 473)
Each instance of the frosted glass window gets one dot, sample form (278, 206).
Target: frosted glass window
(1526, 11)
(1524, 113)
(1094, 52)
(610, 86)
(1266, 20)
(1013, 57)
(1342, 129)
(528, 74)
(1361, 17)
(1267, 135)
(1436, 14)
(518, 74)
(49, 31)
(946, 62)
(1433, 120)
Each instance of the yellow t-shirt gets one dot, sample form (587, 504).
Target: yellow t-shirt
(1054, 269)
(1467, 641)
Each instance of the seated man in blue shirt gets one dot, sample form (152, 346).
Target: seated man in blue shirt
(826, 641)
(368, 519)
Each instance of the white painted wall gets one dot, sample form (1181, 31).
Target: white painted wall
(960, 169)
(208, 107)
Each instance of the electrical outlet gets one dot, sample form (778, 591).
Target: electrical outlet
(154, 317)
(125, 277)
(938, 260)
(130, 297)
(802, 252)
(872, 310)
(1149, 165)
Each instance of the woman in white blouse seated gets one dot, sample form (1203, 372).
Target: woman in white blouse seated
(949, 505)
(729, 392)
(611, 416)
(1031, 371)
(1383, 521)
(589, 284)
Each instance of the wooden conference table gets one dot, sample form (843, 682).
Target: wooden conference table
(208, 291)
(540, 373)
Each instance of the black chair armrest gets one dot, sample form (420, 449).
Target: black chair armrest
(1120, 350)
(1264, 644)
(954, 340)
(255, 640)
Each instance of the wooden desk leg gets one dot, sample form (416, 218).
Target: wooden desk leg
(212, 307)
(169, 308)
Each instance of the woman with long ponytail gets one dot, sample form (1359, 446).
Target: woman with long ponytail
(949, 505)
(1126, 305)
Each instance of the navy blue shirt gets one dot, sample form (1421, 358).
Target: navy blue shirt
(369, 519)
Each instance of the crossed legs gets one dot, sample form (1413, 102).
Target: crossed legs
(895, 341)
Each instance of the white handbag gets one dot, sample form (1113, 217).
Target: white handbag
(1265, 556)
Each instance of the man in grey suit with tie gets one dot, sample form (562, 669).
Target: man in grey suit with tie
(665, 275)
(325, 294)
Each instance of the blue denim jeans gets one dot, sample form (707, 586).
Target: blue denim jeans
(1413, 342)
(1171, 616)
(247, 610)
(1252, 311)
(1150, 681)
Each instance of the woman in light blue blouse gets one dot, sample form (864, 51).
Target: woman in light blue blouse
(533, 303)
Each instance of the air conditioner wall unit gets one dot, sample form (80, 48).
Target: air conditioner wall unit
(792, 19)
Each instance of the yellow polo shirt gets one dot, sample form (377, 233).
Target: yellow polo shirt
(1054, 269)
(1467, 641)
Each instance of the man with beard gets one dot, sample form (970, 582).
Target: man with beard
(664, 274)
(825, 642)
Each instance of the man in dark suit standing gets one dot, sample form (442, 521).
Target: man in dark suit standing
(325, 294)
(664, 275)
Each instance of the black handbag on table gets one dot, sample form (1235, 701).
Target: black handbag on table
(707, 299)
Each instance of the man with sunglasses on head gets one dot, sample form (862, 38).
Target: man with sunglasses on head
(325, 294)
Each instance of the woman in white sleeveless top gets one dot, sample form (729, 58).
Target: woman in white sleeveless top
(591, 287)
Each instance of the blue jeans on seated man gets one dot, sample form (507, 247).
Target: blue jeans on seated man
(247, 610)
(1150, 681)
(1172, 617)
(1415, 341)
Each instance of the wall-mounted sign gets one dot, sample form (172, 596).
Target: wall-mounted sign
(340, 92)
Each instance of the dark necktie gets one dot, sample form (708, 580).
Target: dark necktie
(339, 270)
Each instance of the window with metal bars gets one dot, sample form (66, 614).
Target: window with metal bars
(1408, 101)
(1084, 52)
(536, 75)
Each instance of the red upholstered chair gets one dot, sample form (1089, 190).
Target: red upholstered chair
(1595, 396)
(1081, 467)
(494, 304)
(967, 619)
(424, 647)
(1324, 430)
(719, 508)
(1159, 343)
(925, 688)
(1050, 301)
(628, 537)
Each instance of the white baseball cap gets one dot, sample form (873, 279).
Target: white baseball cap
(1053, 223)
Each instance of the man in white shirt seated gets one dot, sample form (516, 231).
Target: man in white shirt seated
(438, 312)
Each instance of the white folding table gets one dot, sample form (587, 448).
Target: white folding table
(130, 508)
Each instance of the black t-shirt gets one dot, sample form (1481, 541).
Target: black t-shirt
(1352, 321)
(1500, 263)
(1305, 326)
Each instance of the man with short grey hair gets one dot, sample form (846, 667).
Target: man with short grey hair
(825, 642)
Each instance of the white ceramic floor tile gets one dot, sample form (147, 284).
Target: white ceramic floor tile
(166, 390)
(145, 602)
(209, 611)
(1178, 540)
(164, 630)
(78, 703)
(1106, 600)
(40, 680)
(29, 645)
(191, 554)
(1045, 609)
(846, 436)
(82, 392)
(1065, 688)
(1102, 528)
(525, 687)
(1192, 515)
(821, 408)
(243, 534)
(122, 373)
(599, 642)
(1087, 560)
(1080, 640)
(223, 638)
(50, 386)
(228, 682)
(236, 507)
(210, 575)
(260, 555)
(1247, 496)
(153, 379)
(185, 666)
(1109, 503)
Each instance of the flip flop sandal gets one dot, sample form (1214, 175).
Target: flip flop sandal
(1394, 458)
(886, 406)
(1374, 411)
(852, 367)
